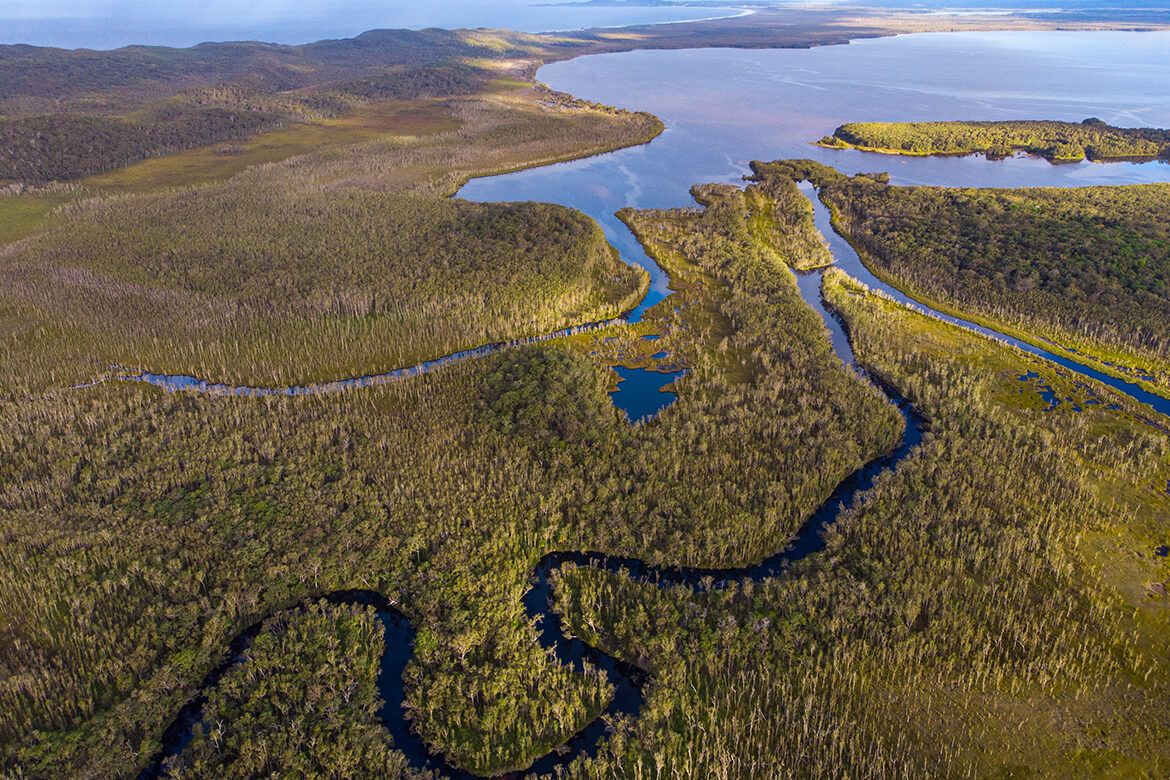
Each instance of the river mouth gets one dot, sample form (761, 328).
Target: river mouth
(724, 108)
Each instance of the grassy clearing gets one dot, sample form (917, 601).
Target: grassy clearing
(365, 122)
(263, 284)
(23, 213)
(247, 280)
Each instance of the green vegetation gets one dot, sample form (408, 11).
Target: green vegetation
(23, 211)
(782, 224)
(732, 292)
(1085, 268)
(303, 703)
(143, 530)
(182, 519)
(255, 282)
(62, 147)
(994, 607)
(1057, 141)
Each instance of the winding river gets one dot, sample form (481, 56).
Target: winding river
(627, 680)
(724, 108)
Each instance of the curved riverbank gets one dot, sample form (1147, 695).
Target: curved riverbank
(849, 261)
(628, 680)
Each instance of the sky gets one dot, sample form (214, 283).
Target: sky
(108, 24)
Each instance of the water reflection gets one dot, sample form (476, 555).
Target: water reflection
(724, 108)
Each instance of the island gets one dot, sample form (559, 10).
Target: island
(1091, 139)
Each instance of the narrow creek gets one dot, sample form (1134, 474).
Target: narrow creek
(846, 258)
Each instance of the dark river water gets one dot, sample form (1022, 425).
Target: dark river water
(724, 108)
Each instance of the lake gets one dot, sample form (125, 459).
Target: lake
(724, 108)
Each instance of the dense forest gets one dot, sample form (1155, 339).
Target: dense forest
(1087, 268)
(1091, 139)
(64, 147)
(143, 530)
(70, 114)
(264, 717)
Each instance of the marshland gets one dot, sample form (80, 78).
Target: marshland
(986, 598)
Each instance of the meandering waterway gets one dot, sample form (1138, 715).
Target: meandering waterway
(722, 110)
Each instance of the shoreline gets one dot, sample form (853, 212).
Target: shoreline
(772, 27)
(742, 12)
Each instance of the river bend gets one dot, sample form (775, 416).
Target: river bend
(722, 124)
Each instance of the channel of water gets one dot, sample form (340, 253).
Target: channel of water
(629, 682)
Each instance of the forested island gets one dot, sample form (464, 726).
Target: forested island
(1091, 139)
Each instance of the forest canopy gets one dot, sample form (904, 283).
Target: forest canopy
(1091, 139)
(1087, 268)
